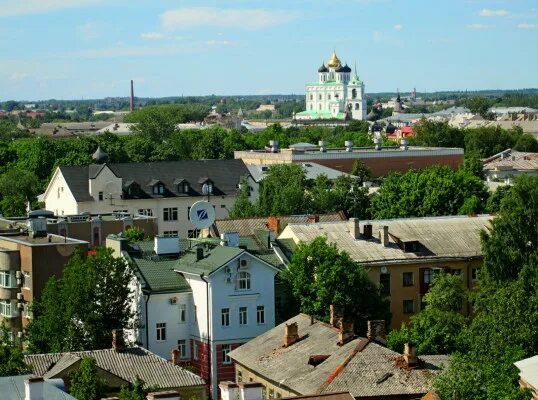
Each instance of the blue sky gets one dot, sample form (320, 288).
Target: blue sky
(73, 49)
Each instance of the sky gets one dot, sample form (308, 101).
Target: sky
(82, 49)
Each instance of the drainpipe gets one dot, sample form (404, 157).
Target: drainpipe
(147, 327)
(208, 335)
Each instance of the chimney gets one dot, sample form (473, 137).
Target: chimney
(349, 146)
(250, 391)
(313, 218)
(367, 231)
(322, 146)
(410, 354)
(384, 235)
(291, 334)
(118, 343)
(168, 395)
(273, 223)
(33, 388)
(354, 228)
(403, 144)
(131, 104)
(199, 253)
(228, 390)
(175, 355)
(346, 332)
(274, 146)
(378, 143)
(336, 315)
(376, 329)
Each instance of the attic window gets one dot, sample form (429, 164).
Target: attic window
(158, 188)
(411, 246)
(317, 359)
(184, 187)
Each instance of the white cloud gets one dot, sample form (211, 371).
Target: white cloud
(10, 8)
(152, 36)
(527, 26)
(89, 31)
(218, 43)
(398, 27)
(255, 18)
(479, 27)
(486, 12)
(18, 76)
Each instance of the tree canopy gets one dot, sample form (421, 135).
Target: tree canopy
(85, 382)
(11, 356)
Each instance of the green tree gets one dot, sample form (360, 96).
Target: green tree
(282, 192)
(11, 357)
(320, 275)
(436, 134)
(361, 171)
(243, 207)
(479, 105)
(85, 382)
(17, 182)
(527, 143)
(495, 198)
(135, 234)
(80, 310)
(135, 393)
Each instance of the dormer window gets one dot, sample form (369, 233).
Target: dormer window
(185, 187)
(158, 188)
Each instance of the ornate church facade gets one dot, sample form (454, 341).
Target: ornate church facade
(338, 94)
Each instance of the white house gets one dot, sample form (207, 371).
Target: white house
(198, 304)
(165, 190)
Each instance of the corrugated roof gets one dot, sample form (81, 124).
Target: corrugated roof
(12, 388)
(512, 160)
(371, 372)
(225, 175)
(312, 170)
(127, 364)
(439, 237)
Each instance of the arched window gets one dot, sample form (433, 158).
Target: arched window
(354, 94)
(243, 281)
(357, 106)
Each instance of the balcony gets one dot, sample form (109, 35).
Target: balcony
(10, 260)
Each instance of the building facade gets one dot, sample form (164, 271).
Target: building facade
(199, 303)
(336, 95)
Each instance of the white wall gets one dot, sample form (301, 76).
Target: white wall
(58, 197)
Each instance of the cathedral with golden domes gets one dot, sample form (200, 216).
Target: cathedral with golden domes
(338, 94)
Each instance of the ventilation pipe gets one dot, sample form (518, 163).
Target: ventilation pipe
(349, 146)
(378, 143)
(274, 146)
(322, 146)
(404, 143)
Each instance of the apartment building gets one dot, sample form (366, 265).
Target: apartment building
(402, 255)
(199, 299)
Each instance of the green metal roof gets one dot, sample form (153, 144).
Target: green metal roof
(321, 114)
(213, 259)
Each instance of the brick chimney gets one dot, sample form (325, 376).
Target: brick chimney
(118, 343)
(346, 332)
(228, 390)
(291, 334)
(354, 228)
(410, 354)
(273, 224)
(175, 356)
(33, 388)
(384, 235)
(336, 315)
(376, 329)
(313, 218)
(250, 391)
(168, 395)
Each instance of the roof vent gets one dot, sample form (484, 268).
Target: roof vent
(378, 143)
(317, 359)
(37, 227)
(166, 245)
(349, 146)
(322, 146)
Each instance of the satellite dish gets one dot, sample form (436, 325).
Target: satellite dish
(202, 214)
(384, 270)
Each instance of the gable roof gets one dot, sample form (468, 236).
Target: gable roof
(225, 175)
(127, 364)
(372, 371)
(12, 388)
(512, 160)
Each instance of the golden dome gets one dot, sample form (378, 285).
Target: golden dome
(334, 62)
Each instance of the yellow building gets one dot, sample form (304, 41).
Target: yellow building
(402, 255)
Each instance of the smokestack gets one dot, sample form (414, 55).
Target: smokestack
(131, 107)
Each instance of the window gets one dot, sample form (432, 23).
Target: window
(408, 306)
(161, 331)
(408, 279)
(311, 97)
(195, 351)
(170, 233)
(158, 189)
(243, 282)
(26, 280)
(427, 276)
(5, 308)
(182, 313)
(225, 316)
(182, 348)
(148, 212)
(193, 233)
(474, 274)
(170, 214)
(195, 314)
(185, 187)
(243, 316)
(260, 314)
(224, 205)
(100, 196)
(5, 279)
(320, 97)
(384, 284)
(239, 376)
(328, 97)
(226, 348)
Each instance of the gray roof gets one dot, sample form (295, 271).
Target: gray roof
(225, 175)
(12, 388)
(512, 160)
(372, 371)
(312, 170)
(453, 237)
(127, 364)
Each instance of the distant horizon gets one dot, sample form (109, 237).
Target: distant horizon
(65, 49)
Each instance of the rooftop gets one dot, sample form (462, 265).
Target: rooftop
(372, 370)
(453, 237)
(12, 388)
(313, 170)
(48, 240)
(528, 370)
(125, 364)
(512, 160)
